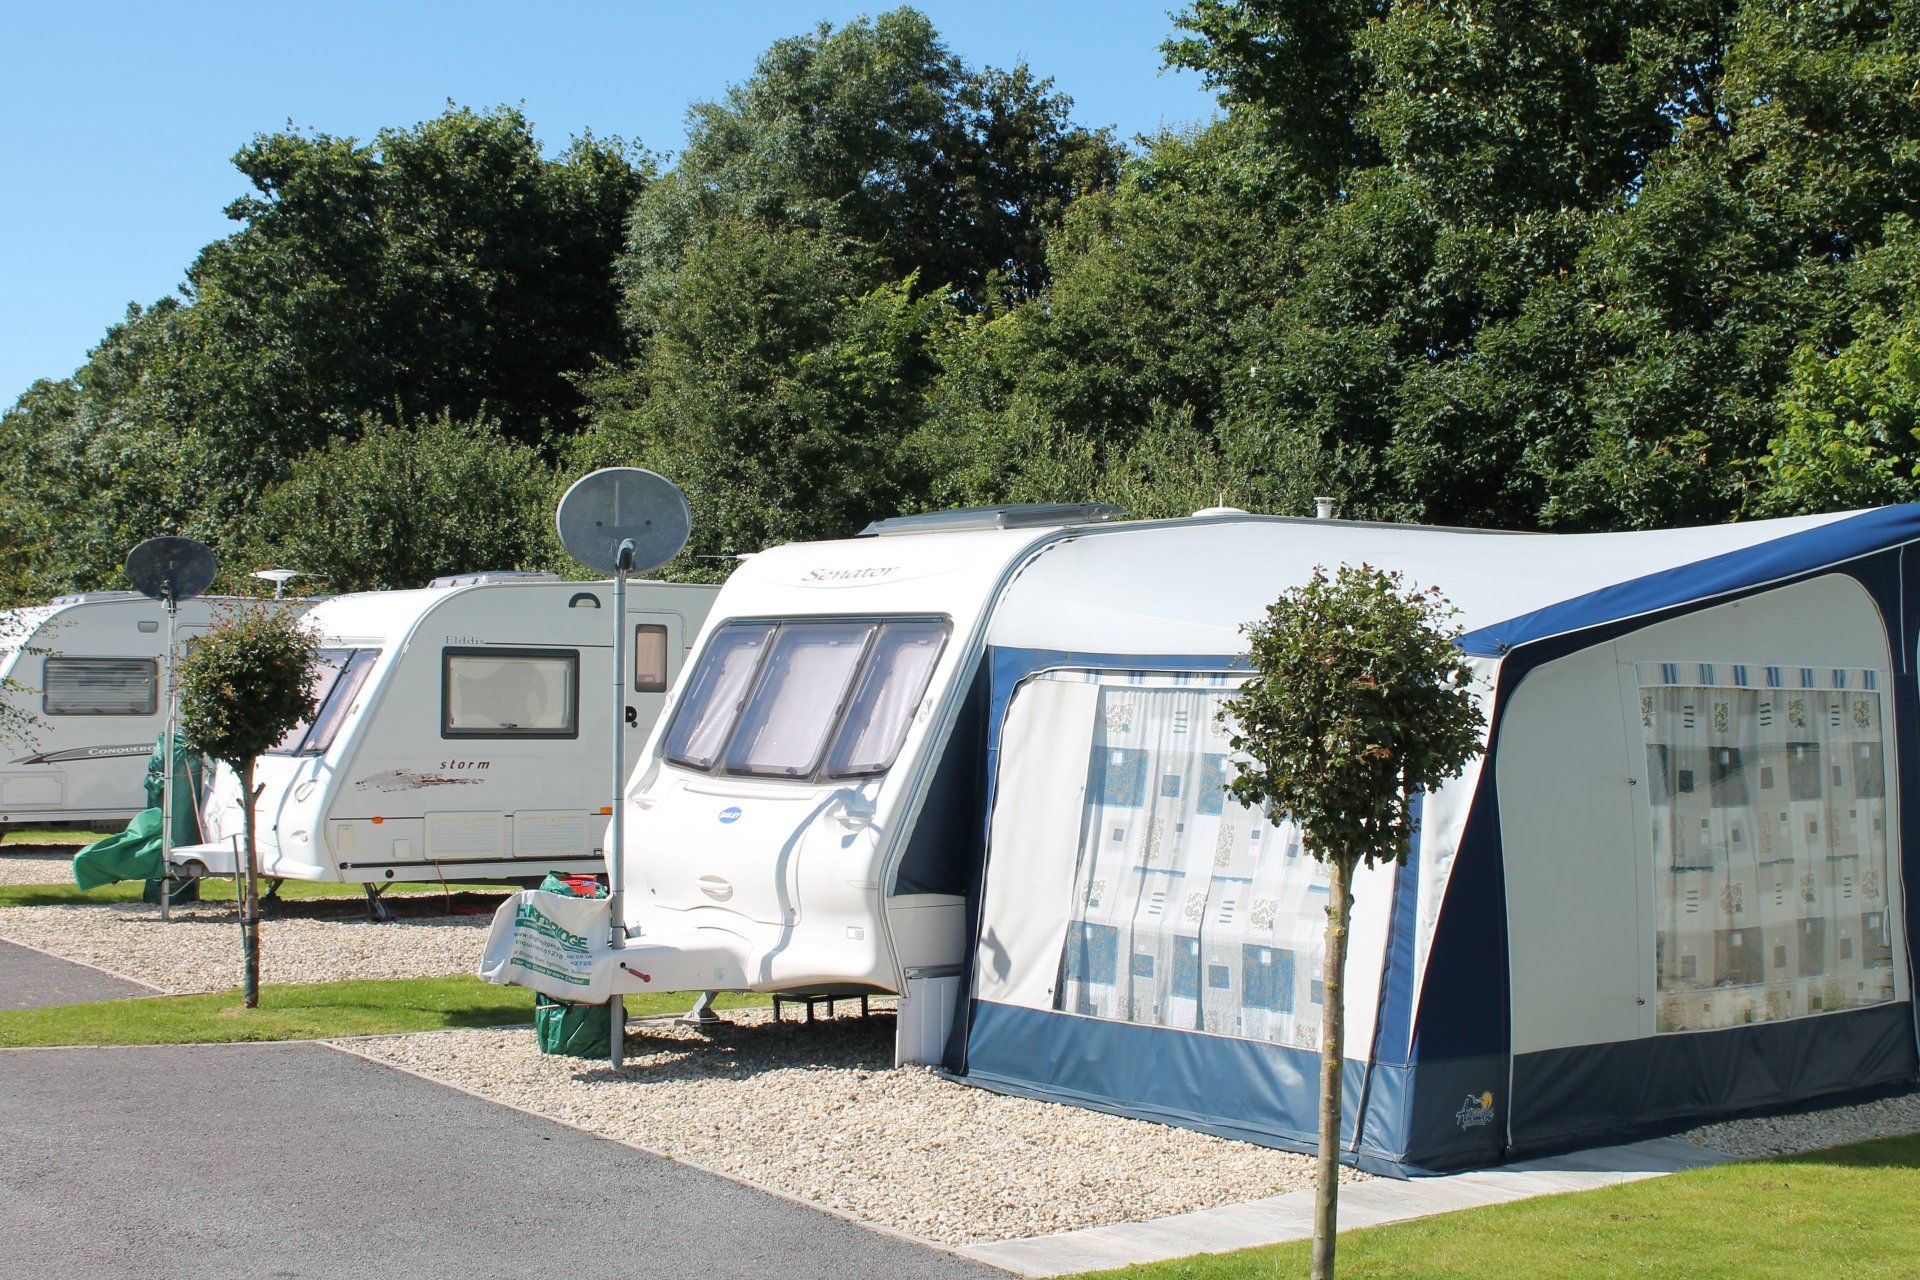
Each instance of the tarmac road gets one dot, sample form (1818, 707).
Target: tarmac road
(30, 979)
(295, 1160)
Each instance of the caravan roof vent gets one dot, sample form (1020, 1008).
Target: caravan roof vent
(494, 575)
(1204, 512)
(1032, 515)
(95, 597)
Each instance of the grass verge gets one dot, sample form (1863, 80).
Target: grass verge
(1846, 1213)
(212, 890)
(50, 836)
(302, 1011)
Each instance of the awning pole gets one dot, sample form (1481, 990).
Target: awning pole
(616, 923)
(166, 773)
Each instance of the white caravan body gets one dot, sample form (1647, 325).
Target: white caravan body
(815, 850)
(463, 731)
(88, 670)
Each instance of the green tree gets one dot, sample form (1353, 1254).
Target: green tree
(441, 269)
(775, 384)
(1359, 701)
(406, 502)
(875, 131)
(243, 687)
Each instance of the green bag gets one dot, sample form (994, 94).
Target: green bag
(559, 1026)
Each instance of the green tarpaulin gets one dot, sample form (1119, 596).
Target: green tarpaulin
(134, 854)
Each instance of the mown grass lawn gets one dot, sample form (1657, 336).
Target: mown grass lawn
(1852, 1213)
(50, 835)
(303, 1011)
(212, 890)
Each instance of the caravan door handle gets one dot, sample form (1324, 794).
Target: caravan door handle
(844, 811)
(716, 887)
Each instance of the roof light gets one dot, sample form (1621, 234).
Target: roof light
(1032, 515)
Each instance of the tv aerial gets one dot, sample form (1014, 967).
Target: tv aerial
(281, 577)
(169, 569)
(621, 520)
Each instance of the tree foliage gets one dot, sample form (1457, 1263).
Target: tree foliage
(1543, 266)
(1359, 701)
(406, 502)
(246, 683)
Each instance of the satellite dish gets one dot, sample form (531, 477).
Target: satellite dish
(616, 505)
(170, 569)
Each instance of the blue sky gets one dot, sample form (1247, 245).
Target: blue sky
(117, 119)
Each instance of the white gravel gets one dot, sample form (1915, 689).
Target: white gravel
(1758, 1136)
(820, 1113)
(41, 866)
(200, 949)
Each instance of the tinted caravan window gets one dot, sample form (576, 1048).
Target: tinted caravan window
(713, 699)
(650, 671)
(101, 686)
(337, 680)
(806, 698)
(803, 681)
(891, 686)
(510, 693)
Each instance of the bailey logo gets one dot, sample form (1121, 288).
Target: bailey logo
(1475, 1111)
(730, 814)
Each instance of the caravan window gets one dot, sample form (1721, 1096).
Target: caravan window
(337, 679)
(803, 681)
(650, 658)
(510, 693)
(805, 698)
(101, 687)
(891, 686)
(713, 699)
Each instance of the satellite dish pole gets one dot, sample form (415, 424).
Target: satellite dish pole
(621, 520)
(169, 570)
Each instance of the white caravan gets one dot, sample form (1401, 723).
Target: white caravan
(87, 670)
(462, 732)
(866, 721)
(802, 820)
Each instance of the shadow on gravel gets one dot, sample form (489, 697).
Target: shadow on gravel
(740, 1048)
(403, 907)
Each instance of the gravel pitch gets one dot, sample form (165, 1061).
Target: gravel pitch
(819, 1112)
(1759, 1136)
(200, 949)
(38, 867)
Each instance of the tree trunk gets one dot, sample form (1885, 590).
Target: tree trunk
(250, 895)
(1326, 1191)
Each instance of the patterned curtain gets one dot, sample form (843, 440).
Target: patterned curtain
(1190, 910)
(1768, 794)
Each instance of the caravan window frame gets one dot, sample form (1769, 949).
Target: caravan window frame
(830, 738)
(153, 685)
(451, 653)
